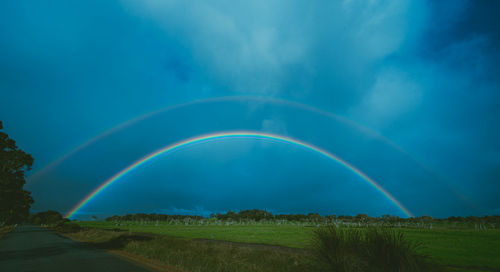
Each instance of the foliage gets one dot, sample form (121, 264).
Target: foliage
(244, 215)
(151, 217)
(341, 250)
(55, 221)
(374, 249)
(15, 202)
(48, 218)
(67, 227)
(389, 250)
(256, 215)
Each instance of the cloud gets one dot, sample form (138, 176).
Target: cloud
(392, 95)
(421, 72)
(266, 47)
(274, 126)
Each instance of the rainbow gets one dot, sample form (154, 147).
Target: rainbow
(233, 135)
(260, 99)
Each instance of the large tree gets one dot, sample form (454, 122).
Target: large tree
(15, 202)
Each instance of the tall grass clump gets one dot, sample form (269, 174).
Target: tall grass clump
(339, 249)
(371, 249)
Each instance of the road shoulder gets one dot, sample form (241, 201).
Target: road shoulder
(151, 264)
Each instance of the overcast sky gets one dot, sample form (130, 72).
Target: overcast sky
(417, 80)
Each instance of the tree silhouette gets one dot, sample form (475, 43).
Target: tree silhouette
(15, 202)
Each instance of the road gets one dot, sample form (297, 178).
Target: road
(31, 248)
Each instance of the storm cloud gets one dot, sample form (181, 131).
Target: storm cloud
(421, 73)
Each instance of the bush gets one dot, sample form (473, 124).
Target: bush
(48, 218)
(340, 249)
(388, 250)
(68, 228)
(374, 249)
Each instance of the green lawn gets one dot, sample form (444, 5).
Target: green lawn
(460, 247)
(463, 248)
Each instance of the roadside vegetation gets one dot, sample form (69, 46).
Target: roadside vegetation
(54, 221)
(15, 202)
(6, 229)
(200, 255)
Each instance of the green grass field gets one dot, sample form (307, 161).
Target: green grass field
(460, 250)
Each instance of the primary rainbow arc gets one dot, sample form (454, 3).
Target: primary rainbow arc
(232, 135)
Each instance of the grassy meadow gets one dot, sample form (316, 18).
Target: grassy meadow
(458, 249)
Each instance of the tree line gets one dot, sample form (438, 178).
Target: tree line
(152, 217)
(263, 215)
(53, 220)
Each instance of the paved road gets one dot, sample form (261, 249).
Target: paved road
(31, 248)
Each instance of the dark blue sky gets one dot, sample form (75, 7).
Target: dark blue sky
(422, 73)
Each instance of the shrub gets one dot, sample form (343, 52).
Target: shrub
(68, 228)
(48, 218)
(340, 249)
(373, 249)
(389, 250)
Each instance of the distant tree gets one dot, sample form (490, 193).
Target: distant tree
(255, 214)
(50, 218)
(114, 218)
(345, 217)
(472, 219)
(427, 219)
(362, 218)
(314, 217)
(15, 202)
(391, 219)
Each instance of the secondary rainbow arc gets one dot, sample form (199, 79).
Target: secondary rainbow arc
(38, 173)
(232, 135)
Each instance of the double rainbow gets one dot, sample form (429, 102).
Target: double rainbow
(257, 99)
(233, 135)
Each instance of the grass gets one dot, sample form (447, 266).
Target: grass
(199, 255)
(458, 249)
(284, 235)
(469, 249)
